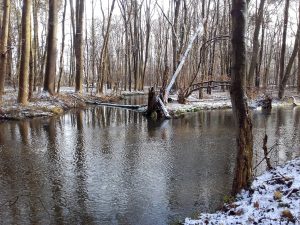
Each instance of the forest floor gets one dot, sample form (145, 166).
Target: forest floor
(274, 198)
(44, 105)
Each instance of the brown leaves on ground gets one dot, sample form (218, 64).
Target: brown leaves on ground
(277, 195)
(288, 215)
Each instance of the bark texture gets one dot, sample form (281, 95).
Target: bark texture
(3, 45)
(243, 170)
(78, 47)
(255, 48)
(25, 53)
(50, 73)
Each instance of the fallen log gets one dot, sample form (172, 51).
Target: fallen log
(133, 107)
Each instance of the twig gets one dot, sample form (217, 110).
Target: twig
(271, 149)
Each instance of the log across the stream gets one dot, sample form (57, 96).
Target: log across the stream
(134, 107)
(97, 102)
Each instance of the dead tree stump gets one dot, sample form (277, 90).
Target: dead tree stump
(156, 107)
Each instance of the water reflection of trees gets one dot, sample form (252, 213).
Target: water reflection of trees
(48, 161)
(111, 117)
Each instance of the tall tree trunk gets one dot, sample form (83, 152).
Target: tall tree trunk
(4, 50)
(260, 58)
(148, 33)
(244, 138)
(298, 81)
(268, 65)
(50, 73)
(93, 47)
(36, 50)
(103, 53)
(31, 71)
(78, 46)
(61, 60)
(25, 53)
(255, 48)
(283, 45)
(175, 35)
(288, 69)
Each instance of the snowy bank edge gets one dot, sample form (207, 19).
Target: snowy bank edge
(266, 203)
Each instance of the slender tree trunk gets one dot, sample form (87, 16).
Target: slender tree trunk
(4, 50)
(25, 53)
(78, 46)
(298, 81)
(61, 60)
(103, 53)
(31, 71)
(288, 69)
(255, 48)
(175, 35)
(93, 47)
(244, 138)
(260, 58)
(36, 51)
(267, 66)
(283, 45)
(50, 73)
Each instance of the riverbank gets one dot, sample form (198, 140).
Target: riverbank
(274, 198)
(219, 100)
(44, 105)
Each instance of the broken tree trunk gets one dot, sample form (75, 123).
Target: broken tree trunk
(156, 107)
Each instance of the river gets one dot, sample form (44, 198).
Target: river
(113, 166)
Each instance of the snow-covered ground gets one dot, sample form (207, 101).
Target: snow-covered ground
(218, 100)
(45, 105)
(274, 198)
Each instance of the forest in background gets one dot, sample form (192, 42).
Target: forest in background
(128, 45)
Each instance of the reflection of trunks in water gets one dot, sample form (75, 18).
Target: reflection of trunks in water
(106, 165)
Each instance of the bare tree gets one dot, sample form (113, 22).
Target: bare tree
(244, 138)
(288, 68)
(49, 81)
(298, 82)
(283, 45)
(104, 53)
(4, 49)
(61, 60)
(255, 48)
(78, 45)
(25, 53)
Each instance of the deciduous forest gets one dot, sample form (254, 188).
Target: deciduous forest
(135, 105)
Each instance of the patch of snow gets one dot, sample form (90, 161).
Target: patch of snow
(129, 93)
(274, 198)
(43, 95)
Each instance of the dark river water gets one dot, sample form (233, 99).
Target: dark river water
(112, 166)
